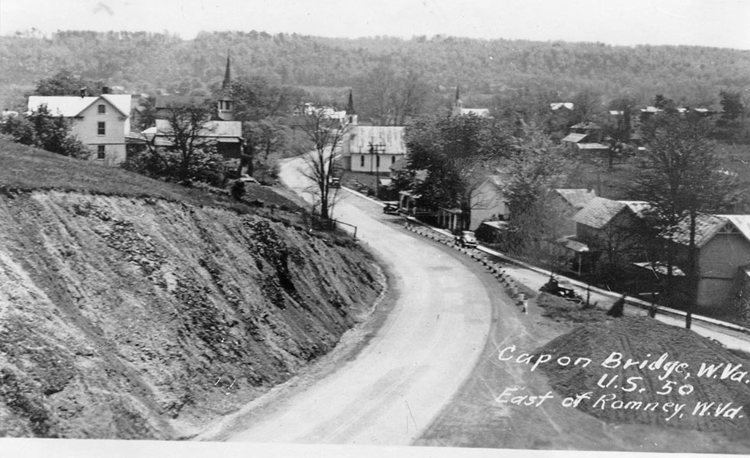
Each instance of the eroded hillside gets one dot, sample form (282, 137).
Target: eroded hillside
(142, 318)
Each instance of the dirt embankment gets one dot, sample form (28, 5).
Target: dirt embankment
(713, 400)
(141, 318)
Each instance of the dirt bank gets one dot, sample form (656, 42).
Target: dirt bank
(141, 318)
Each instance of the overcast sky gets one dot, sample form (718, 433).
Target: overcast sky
(722, 23)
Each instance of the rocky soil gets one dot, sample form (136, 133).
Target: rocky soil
(142, 318)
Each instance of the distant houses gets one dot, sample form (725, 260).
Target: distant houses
(101, 123)
(459, 109)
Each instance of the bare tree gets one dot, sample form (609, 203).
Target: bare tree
(326, 135)
(681, 178)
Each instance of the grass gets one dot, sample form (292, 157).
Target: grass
(23, 168)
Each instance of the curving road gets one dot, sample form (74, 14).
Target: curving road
(412, 365)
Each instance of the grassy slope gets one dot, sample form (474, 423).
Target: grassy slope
(25, 168)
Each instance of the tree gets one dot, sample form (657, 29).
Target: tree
(681, 179)
(731, 104)
(65, 82)
(458, 152)
(391, 96)
(326, 135)
(188, 154)
(536, 167)
(45, 131)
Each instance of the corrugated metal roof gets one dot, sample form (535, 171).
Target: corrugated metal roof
(570, 243)
(577, 198)
(71, 106)
(210, 128)
(481, 112)
(574, 138)
(591, 146)
(558, 105)
(391, 137)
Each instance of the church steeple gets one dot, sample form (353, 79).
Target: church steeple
(225, 103)
(351, 114)
(227, 83)
(457, 103)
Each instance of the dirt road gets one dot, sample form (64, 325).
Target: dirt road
(411, 366)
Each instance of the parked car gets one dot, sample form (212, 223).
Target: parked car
(391, 208)
(466, 239)
(562, 289)
(334, 182)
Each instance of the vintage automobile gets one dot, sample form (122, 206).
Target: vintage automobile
(562, 289)
(391, 208)
(334, 182)
(466, 239)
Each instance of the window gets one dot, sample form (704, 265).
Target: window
(393, 160)
(361, 161)
(100, 151)
(102, 108)
(101, 128)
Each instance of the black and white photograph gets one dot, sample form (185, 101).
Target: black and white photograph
(420, 228)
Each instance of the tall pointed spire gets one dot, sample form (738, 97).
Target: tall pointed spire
(225, 102)
(226, 84)
(350, 104)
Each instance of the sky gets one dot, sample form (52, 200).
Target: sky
(717, 23)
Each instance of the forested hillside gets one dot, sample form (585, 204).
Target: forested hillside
(144, 62)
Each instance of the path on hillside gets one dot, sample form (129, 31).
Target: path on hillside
(412, 365)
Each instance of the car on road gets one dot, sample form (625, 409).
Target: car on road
(466, 239)
(334, 182)
(391, 208)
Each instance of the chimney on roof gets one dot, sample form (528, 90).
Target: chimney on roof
(106, 90)
(84, 91)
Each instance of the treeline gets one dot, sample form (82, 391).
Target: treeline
(145, 62)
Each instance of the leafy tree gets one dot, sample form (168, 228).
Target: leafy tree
(681, 178)
(535, 167)
(65, 82)
(19, 129)
(731, 104)
(457, 152)
(188, 155)
(45, 131)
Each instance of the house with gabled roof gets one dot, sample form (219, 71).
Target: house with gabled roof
(460, 110)
(612, 231)
(570, 201)
(488, 202)
(373, 148)
(723, 257)
(101, 123)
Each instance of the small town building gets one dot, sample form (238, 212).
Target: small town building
(723, 258)
(372, 149)
(487, 201)
(101, 123)
(226, 136)
(611, 230)
(460, 110)
(570, 201)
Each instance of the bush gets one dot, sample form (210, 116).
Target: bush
(238, 190)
